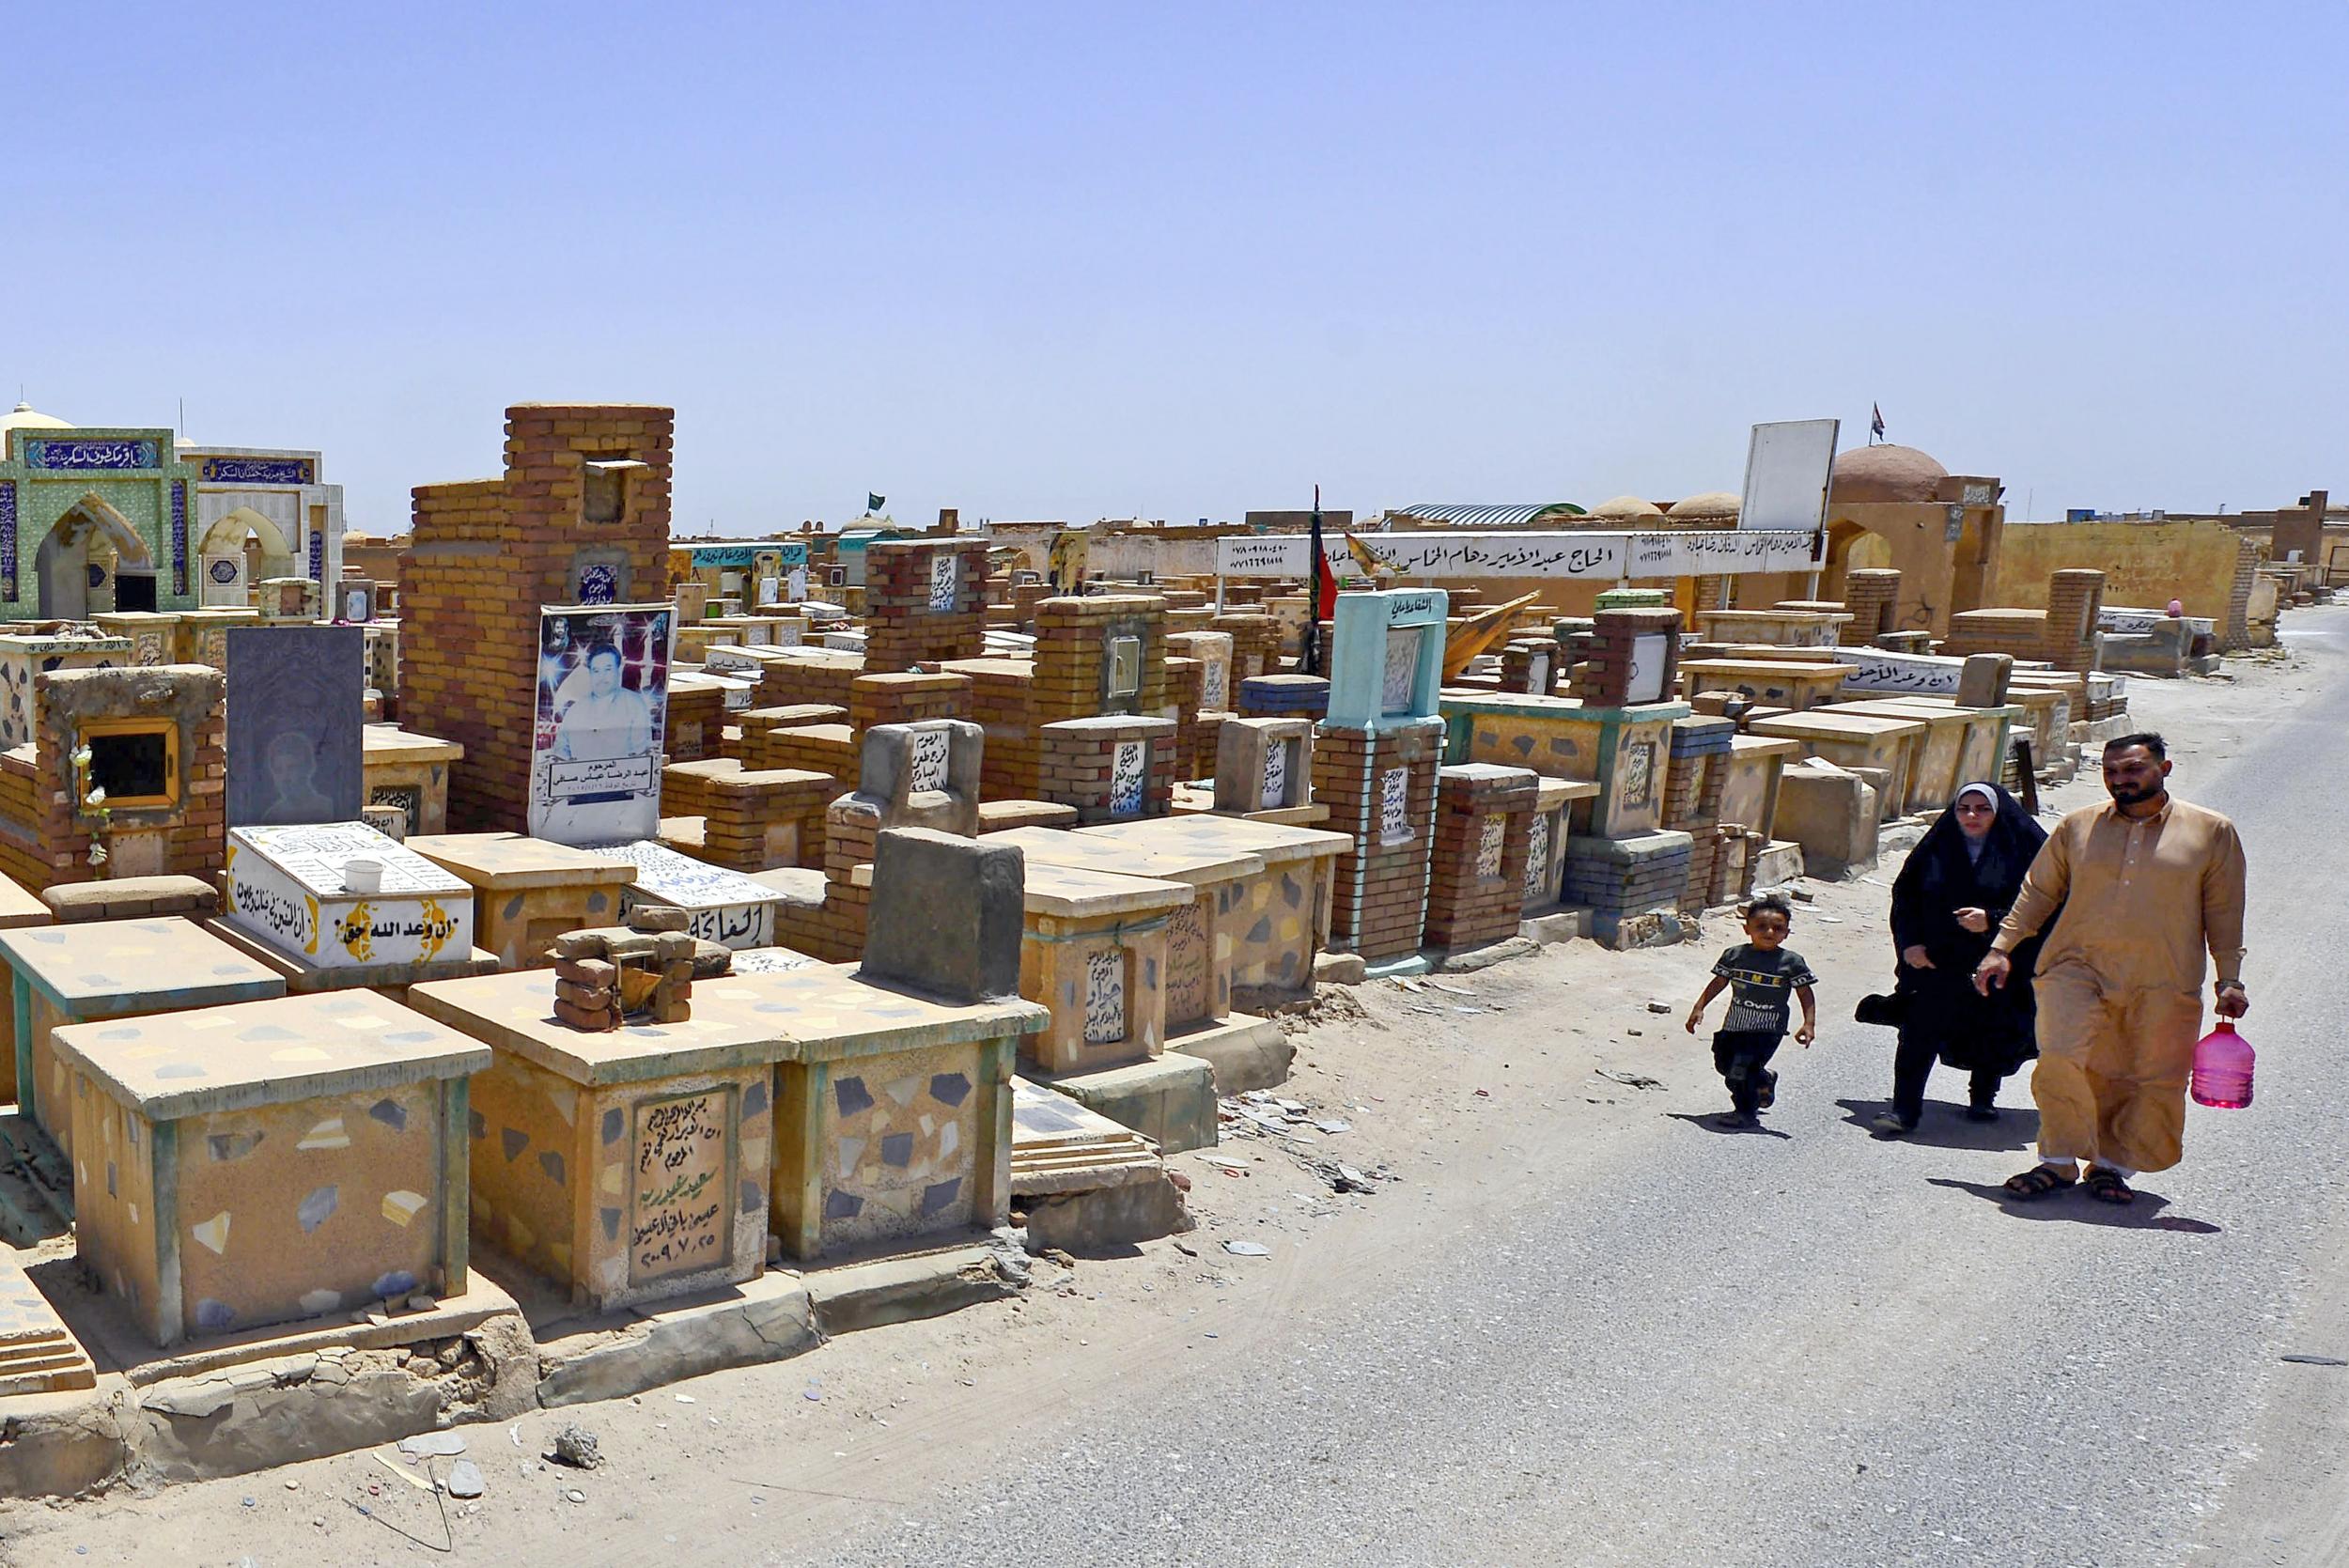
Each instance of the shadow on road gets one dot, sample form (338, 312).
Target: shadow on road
(1705, 1121)
(2080, 1209)
(1945, 1126)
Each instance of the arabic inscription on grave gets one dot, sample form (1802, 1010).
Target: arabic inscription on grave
(679, 1222)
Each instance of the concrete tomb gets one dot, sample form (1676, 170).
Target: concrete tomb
(270, 1160)
(339, 896)
(102, 969)
(723, 906)
(527, 892)
(402, 769)
(1264, 768)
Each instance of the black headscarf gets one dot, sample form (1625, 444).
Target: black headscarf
(1941, 875)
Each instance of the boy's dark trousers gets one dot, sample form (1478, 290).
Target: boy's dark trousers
(1740, 1057)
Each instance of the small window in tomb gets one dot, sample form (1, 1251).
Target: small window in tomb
(836, 577)
(604, 493)
(135, 761)
(134, 591)
(1124, 666)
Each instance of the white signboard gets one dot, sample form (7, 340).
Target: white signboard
(723, 906)
(1560, 553)
(929, 759)
(942, 580)
(1537, 860)
(1649, 653)
(1787, 467)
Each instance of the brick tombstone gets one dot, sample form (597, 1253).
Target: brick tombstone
(1375, 762)
(1484, 825)
(581, 515)
(924, 600)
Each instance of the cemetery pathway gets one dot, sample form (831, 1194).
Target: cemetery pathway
(1580, 1328)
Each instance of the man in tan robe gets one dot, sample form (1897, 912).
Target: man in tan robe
(2145, 884)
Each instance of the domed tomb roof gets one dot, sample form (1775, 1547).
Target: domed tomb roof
(1885, 472)
(25, 417)
(1711, 507)
(1627, 507)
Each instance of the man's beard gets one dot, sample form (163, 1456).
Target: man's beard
(2130, 795)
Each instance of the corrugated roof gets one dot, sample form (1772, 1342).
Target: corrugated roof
(1489, 517)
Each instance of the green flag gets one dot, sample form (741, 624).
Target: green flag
(872, 502)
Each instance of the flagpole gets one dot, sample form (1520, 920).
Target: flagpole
(1309, 652)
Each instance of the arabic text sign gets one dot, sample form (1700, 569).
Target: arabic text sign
(1561, 553)
(679, 1222)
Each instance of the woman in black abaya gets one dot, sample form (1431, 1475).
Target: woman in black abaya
(1947, 904)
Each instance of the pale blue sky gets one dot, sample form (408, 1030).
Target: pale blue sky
(1106, 259)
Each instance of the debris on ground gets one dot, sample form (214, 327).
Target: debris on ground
(576, 1447)
(464, 1480)
(1330, 1004)
(1248, 1249)
(1630, 1080)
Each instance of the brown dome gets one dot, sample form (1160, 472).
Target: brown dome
(1885, 474)
(1627, 507)
(1712, 506)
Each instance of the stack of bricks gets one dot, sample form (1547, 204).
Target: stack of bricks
(758, 820)
(1379, 900)
(924, 600)
(1529, 667)
(609, 976)
(1025, 596)
(902, 697)
(696, 721)
(2075, 599)
(484, 555)
(51, 838)
(1604, 678)
(1476, 882)
(1694, 784)
(1114, 767)
(1873, 595)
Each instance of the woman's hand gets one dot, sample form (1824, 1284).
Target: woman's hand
(1916, 957)
(1976, 920)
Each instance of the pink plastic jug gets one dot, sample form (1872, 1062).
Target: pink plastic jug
(2222, 1068)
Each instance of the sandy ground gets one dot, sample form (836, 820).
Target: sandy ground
(1475, 1104)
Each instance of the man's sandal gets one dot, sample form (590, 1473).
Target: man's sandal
(2037, 1182)
(2106, 1187)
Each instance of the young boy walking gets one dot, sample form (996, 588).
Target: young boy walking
(1758, 973)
